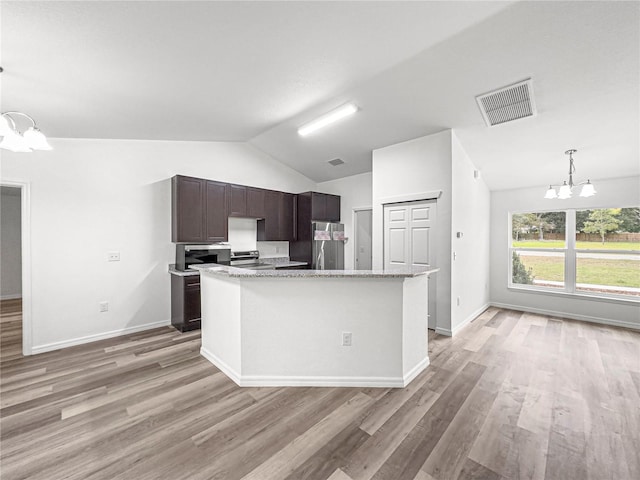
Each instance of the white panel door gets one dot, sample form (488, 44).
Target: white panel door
(396, 237)
(409, 232)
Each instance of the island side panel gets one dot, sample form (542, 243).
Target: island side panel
(221, 328)
(292, 331)
(415, 350)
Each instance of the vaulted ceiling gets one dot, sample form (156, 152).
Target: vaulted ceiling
(255, 71)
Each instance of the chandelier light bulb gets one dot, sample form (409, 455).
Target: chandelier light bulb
(36, 139)
(564, 192)
(551, 193)
(5, 128)
(588, 190)
(15, 142)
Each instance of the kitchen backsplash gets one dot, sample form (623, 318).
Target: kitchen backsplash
(243, 233)
(273, 249)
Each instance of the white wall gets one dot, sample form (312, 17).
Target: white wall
(243, 233)
(611, 193)
(10, 244)
(90, 197)
(408, 171)
(470, 271)
(355, 192)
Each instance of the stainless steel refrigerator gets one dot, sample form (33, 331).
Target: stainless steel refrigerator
(327, 246)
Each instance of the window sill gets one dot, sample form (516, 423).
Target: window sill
(578, 296)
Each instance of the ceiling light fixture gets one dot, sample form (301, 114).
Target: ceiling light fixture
(15, 141)
(328, 118)
(564, 190)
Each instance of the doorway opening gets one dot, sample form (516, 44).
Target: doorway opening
(15, 284)
(362, 230)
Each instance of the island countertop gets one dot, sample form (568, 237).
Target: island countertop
(247, 273)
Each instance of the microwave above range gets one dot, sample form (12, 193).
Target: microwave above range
(187, 255)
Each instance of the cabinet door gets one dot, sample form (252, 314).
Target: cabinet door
(191, 303)
(255, 202)
(318, 206)
(237, 201)
(272, 215)
(303, 217)
(187, 209)
(333, 208)
(286, 217)
(216, 225)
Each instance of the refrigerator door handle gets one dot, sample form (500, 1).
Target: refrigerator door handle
(321, 256)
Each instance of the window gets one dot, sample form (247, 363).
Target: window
(589, 252)
(538, 249)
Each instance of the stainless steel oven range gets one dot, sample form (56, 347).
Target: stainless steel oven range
(249, 259)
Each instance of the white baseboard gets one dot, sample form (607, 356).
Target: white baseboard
(415, 371)
(471, 318)
(311, 381)
(99, 336)
(222, 366)
(584, 318)
(15, 296)
(465, 322)
(444, 331)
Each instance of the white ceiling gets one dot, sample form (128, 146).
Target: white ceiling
(255, 71)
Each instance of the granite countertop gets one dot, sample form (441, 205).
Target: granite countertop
(174, 271)
(290, 264)
(282, 262)
(281, 273)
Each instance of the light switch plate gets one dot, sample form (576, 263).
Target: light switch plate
(113, 256)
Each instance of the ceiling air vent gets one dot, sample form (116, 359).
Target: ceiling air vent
(335, 162)
(507, 103)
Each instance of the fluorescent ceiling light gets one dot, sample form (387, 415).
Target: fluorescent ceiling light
(328, 118)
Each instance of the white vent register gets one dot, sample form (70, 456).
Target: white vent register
(508, 103)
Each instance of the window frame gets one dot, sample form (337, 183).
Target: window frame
(570, 261)
(511, 249)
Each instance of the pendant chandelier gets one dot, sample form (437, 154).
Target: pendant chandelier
(16, 141)
(565, 190)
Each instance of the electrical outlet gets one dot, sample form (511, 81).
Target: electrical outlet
(113, 256)
(346, 339)
(104, 306)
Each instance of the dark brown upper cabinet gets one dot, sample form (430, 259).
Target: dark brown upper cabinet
(278, 223)
(269, 228)
(201, 208)
(332, 212)
(323, 206)
(198, 210)
(287, 217)
(187, 209)
(255, 202)
(216, 223)
(237, 201)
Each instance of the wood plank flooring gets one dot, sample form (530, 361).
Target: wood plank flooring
(513, 396)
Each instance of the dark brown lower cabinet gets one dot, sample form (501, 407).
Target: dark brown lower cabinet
(185, 302)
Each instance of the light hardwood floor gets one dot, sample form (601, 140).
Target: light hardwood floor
(513, 396)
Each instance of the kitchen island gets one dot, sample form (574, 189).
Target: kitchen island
(315, 327)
